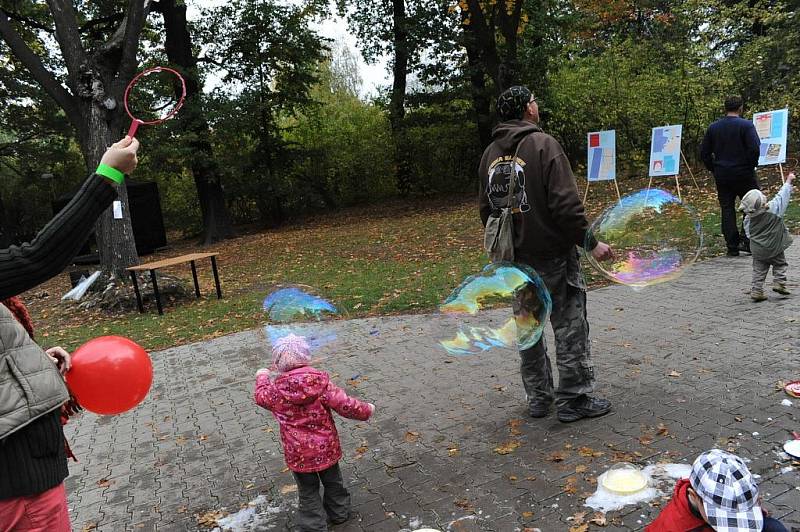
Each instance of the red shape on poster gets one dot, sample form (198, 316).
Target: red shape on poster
(594, 140)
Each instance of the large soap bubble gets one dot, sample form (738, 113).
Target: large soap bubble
(476, 310)
(301, 311)
(654, 236)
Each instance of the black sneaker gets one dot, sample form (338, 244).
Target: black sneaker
(733, 252)
(744, 248)
(539, 408)
(582, 407)
(340, 520)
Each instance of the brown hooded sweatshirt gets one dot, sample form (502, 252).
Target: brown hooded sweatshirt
(549, 219)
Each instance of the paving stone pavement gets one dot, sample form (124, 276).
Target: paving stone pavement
(694, 355)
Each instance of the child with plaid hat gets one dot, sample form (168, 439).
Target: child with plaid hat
(301, 399)
(769, 237)
(720, 495)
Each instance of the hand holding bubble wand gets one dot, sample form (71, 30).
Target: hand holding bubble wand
(154, 96)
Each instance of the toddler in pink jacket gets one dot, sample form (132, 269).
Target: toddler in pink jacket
(301, 399)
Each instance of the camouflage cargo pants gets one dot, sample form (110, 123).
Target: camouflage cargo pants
(567, 288)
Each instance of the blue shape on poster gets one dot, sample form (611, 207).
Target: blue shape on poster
(763, 149)
(597, 158)
(777, 125)
(669, 164)
(659, 141)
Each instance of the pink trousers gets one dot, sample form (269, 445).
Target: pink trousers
(43, 512)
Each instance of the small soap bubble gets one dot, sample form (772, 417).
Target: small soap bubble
(654, 236)
(476, 317)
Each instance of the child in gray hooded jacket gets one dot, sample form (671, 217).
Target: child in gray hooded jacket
(769, 237)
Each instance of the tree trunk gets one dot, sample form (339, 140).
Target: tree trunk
(481, 101)
(397, 106)
(115, 241)
(207, 177)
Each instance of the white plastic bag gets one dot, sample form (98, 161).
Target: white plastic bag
(80, 289)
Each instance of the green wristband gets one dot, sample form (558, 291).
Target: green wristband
(112, 173)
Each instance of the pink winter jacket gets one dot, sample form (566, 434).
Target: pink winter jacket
(301, 400)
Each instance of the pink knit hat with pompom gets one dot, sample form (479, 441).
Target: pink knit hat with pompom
(290, 352)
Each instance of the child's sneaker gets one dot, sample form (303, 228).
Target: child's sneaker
(757, 295)
(781, 289)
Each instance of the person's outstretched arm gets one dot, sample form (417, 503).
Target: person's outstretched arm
(344, 405)
(30, 264)
(265, 394)
(780, 202)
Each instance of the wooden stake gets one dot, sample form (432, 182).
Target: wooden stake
(678, 184)
(616, 186)
(586, 194)
(686, 164)
(783, 179)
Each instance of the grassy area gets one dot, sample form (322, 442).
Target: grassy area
(400, 257)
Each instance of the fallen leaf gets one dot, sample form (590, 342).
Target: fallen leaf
(412, 437)
(662, 430)
(588, 452)
(598, 519)
(673, 373)
(581, 468)
(464, 504)
(513, 478)
(645, 440)
(209, 519)
(453, 451)
(513, 427)
(508, 447)
(557, 456)
(104, 483)
(288, 488)
(579, 528)
(531, 478)
(88, 527)
(527, 515)
(571, 486)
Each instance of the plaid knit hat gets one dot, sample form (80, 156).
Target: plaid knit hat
(290, 352)
(729, 492)
(752, 201)
(512, 102)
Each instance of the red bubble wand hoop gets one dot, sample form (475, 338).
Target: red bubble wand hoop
(146, 100)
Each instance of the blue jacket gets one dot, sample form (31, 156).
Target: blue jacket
(730, 148)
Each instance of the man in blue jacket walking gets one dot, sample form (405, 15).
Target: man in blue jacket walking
(730, 151)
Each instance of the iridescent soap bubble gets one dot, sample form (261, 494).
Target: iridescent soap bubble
(301, 311)
(478, 316)
(654, 236)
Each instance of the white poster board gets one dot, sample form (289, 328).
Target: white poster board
(772, 128)
(665, 150)
(601, 156)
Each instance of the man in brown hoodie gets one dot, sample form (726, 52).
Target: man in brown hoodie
(549, 224)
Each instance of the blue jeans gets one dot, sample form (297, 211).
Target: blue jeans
(773, 525)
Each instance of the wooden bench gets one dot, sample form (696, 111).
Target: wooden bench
(183, 259)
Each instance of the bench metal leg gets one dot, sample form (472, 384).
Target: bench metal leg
(155, 291)
(136, 291)
(216, 276)
(194, 276)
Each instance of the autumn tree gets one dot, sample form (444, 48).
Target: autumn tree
(86, 77)
(199, 153)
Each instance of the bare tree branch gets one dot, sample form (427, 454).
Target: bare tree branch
(137, 13)
(116, 17)
(68, 36)
(37, 69)
(13, 15)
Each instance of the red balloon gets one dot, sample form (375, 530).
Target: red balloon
(110, 375)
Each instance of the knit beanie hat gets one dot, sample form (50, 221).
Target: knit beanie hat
(753, 201)
(290, 352)
(512, 102)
